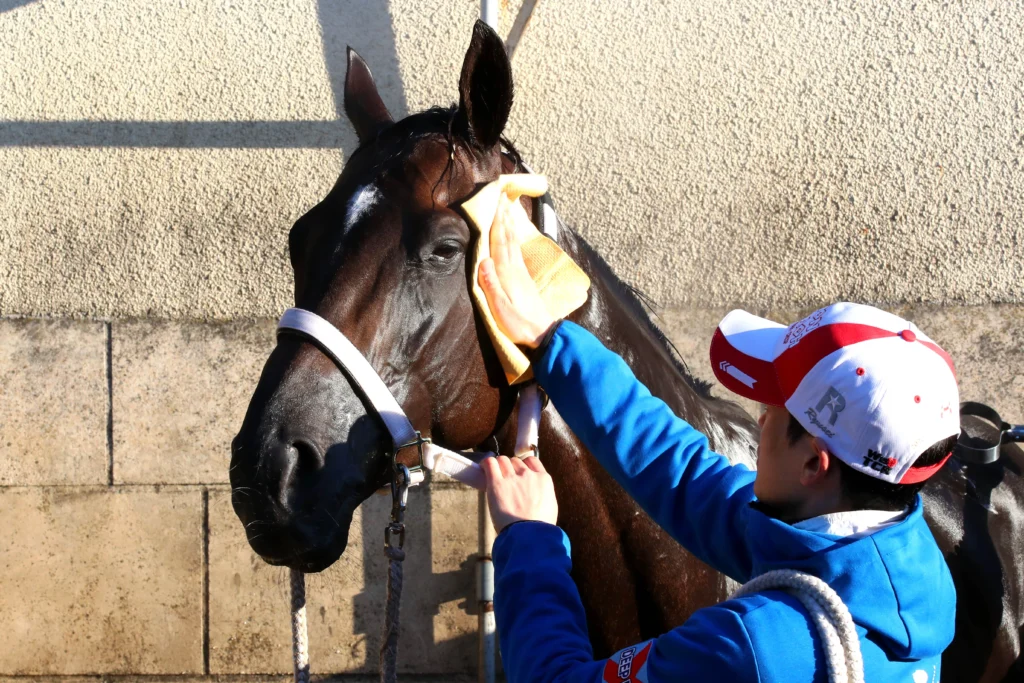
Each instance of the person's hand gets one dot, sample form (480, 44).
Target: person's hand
(511, 294)
(519, 490)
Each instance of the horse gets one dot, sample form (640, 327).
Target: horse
(383, 257)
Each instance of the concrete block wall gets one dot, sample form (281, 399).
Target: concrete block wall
(120, 554)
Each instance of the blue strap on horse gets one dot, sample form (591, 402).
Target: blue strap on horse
(982, 450)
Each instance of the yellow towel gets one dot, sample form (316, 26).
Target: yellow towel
(563, 285)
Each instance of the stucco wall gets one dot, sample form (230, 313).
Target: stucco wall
(783, 153)
(154, 155)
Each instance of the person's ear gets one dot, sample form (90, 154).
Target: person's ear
(817, 465)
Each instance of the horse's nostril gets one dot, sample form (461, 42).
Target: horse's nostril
(302, 462)
(310, 457)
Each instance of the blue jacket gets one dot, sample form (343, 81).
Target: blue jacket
(895, 581)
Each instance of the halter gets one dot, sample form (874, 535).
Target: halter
(984, 450)
(461, 466)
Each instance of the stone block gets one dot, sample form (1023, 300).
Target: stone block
(180, 392)
(279, 678)
(53, 402)
(249, 603)
(101, 581)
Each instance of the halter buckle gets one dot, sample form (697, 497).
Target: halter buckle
(418, 442)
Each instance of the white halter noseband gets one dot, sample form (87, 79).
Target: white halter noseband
(460, 466)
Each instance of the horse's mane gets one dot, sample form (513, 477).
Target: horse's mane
(403, 135)
(641, 307)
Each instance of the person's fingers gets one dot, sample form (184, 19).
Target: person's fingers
(490, 469)
(518, 466)
(506, 465)
(509, 254)
(492, 285)
(534, 463)
(509, 241)
(499, 250)
(505, 314)
(515, 266)
(488, 277)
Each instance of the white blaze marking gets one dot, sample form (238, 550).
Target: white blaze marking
(360, 203)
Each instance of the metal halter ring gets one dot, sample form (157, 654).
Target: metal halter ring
(418, 442)
(979, 450)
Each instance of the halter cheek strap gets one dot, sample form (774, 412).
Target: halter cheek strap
(459, 466)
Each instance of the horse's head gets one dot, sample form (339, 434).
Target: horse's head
(383, 258)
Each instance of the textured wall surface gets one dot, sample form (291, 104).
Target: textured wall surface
(776, 155)
(782, 153)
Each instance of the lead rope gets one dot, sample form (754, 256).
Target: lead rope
(389, 640)
(396, 555)
(830, 615)
(531, 405)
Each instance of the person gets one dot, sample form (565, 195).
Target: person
(860, 409)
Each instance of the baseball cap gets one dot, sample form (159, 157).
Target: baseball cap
(874, 388)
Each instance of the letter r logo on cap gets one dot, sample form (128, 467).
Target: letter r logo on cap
(834, 401)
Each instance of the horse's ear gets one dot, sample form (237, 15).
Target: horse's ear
(363, 104)
(485, 87)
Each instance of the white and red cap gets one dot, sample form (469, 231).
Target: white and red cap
(869, 384)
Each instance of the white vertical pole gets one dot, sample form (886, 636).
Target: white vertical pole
(489, 12)
(487, 662)
(488, 655)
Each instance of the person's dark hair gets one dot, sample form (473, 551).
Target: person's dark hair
(869, 493)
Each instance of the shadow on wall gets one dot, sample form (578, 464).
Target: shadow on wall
(8, 5)
(427, 642)
(366, 26)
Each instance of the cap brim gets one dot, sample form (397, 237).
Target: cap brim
(742, 354)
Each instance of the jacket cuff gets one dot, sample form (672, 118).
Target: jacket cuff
(530, 542)
(537, 354)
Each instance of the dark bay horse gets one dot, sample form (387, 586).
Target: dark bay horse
(383, 257)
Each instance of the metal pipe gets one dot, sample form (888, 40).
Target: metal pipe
(487, 627)
(519, 26)
(489, 12)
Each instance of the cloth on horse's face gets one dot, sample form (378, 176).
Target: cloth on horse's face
(563, 285)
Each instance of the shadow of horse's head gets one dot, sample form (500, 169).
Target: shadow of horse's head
(384, 258)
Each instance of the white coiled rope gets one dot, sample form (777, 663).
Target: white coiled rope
(300, 636)
(830, 615)
(828, 612)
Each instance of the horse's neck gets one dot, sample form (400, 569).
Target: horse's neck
(614, 544)
(613, 315)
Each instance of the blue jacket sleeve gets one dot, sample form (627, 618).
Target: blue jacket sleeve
(542, 628)
(696, 495)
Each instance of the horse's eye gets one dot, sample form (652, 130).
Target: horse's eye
(446, 251)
